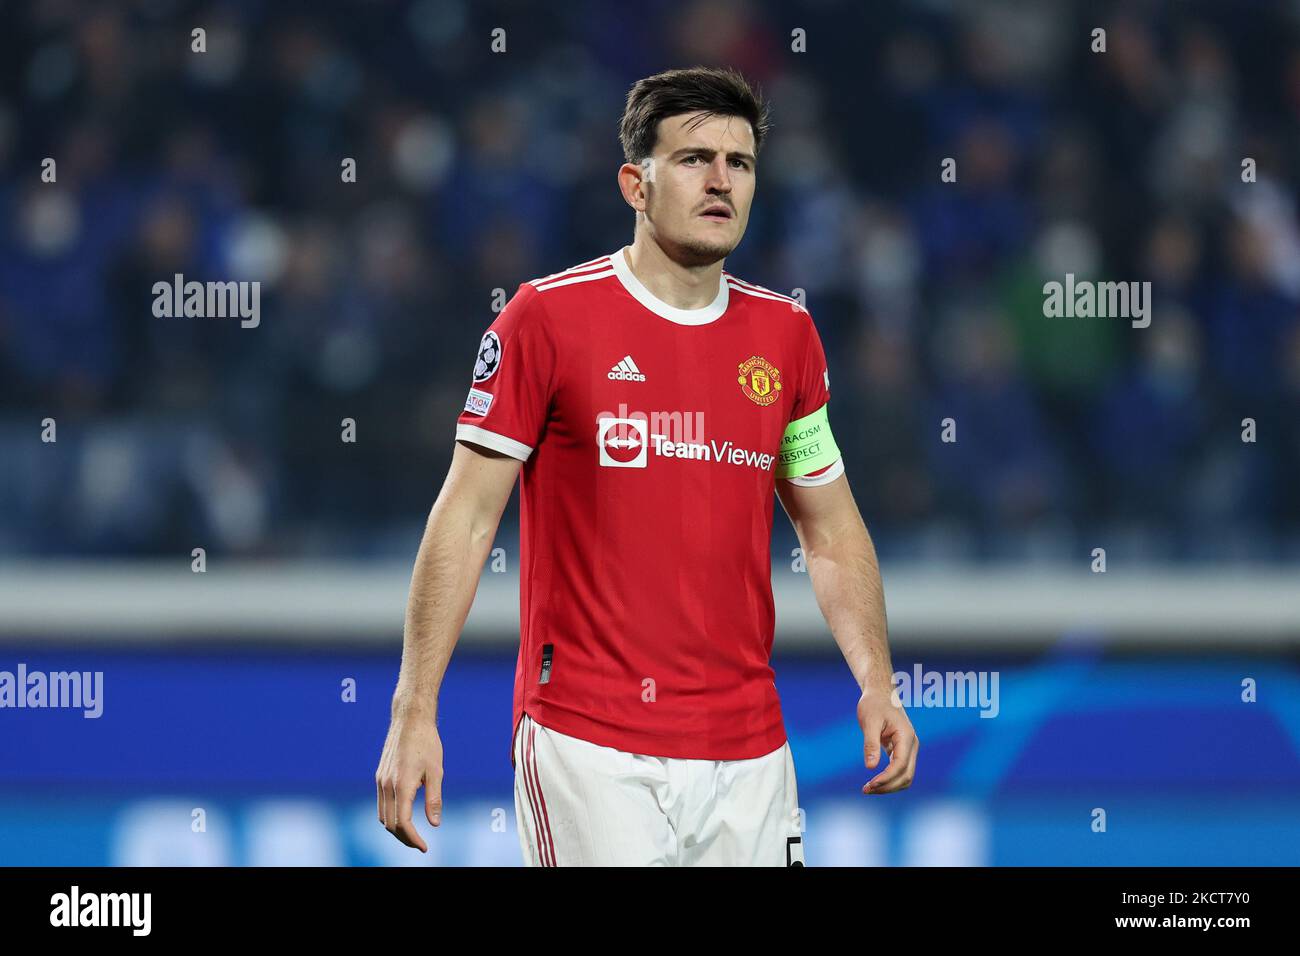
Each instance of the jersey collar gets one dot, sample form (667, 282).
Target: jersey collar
(701, 316)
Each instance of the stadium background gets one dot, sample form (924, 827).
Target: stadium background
(479, 170)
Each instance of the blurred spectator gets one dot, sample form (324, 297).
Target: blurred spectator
(477, 171)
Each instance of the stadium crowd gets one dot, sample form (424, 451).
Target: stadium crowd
(478, 170)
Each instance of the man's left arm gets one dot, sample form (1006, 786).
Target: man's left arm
(841, 561)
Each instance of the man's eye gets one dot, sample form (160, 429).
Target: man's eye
(740, 163)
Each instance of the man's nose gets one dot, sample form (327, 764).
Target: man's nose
(719, 175)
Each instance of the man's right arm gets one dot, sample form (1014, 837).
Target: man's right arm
(455, 546)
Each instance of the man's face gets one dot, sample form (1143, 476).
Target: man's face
(699, 165)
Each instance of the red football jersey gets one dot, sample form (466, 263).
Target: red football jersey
(650, 439)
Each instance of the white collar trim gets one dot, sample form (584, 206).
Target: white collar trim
(658, 306)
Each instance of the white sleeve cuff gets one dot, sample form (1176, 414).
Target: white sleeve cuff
(825, 478)
(476, 435)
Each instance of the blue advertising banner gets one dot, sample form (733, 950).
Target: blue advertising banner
(222, 757)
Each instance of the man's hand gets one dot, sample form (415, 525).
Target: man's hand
(456, 541)
(412, 757)
(884, 721)
(846, 579)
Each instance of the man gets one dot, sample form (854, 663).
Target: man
(653, 403)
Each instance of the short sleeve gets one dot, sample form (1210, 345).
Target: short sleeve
(808, 416)
(510, 394)
(814, 380)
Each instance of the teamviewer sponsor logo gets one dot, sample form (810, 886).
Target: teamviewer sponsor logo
(626, 371)
(626, 442)
(725, 452)
(622, 442)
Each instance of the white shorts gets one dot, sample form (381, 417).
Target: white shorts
(581, 804)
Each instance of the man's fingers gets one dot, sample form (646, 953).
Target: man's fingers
(412, 758)
(407, 833)
(380, 774)
(405, 828)
(871, 742)
(433, 798)
(395, 798)
(884, 782)
(888, 779)
(902, 766)
(388, 796)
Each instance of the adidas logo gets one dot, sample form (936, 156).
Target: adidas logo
(626, 371)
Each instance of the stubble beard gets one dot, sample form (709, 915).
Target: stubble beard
(693, 252)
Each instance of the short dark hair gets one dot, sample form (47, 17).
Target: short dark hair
(713, 90)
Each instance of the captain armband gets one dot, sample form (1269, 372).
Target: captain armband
(807, 446)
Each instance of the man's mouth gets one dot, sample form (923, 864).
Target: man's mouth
(717, 212)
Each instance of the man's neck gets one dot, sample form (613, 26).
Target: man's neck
(680, 286)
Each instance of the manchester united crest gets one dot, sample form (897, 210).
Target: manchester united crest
(760, 380)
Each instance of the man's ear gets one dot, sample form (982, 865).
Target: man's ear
(632, 181)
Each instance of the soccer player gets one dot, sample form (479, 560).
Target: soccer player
(652, 403)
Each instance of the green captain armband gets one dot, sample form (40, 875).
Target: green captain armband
(807, 446)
